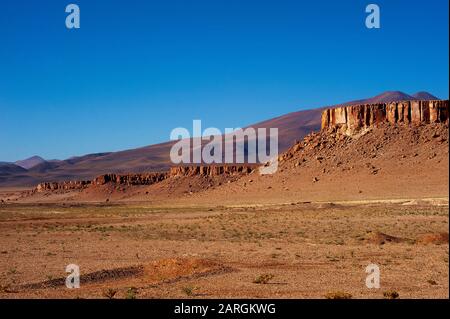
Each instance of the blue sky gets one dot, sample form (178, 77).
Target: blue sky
(137, 69)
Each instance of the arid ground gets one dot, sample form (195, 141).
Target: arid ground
(335, 205)
(297, 250)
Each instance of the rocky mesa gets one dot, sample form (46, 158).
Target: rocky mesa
(352, 119)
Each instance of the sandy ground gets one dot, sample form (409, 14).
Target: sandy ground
(305, 250)
(335, 205)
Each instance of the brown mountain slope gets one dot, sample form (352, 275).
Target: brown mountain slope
(387, 162)
(10, 169)
(291, 127)
(424, 96)
(30, 162)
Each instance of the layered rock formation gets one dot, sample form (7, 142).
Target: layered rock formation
(211, 170)
(69, 185)
(130, 179)
(352, 119)
(147, 178)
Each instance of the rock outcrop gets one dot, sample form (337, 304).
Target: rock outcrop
(147, 178)
(68, 185)
(211, 170)
(130, 179)
(352, 119)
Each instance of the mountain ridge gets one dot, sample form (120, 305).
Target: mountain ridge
(30, 162)
(291, 128)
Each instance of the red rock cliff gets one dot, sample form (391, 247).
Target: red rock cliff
(147, 178)
(130, 179)
(210, 170)
(351, 119)
(69, 185)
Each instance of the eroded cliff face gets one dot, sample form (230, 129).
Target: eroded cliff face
(130, 179)
(68, 185)
(147, 178)
(210, 170)
(352, 119)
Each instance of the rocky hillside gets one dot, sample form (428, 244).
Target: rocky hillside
(291, 127)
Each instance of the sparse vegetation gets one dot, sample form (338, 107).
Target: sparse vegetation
(391, 294)
(131, 293)
(5, 288)
(189, 290)
(264, 279)
(264, 239)
(432, 282)
(109, 293)
(12, 271)
(338, 295)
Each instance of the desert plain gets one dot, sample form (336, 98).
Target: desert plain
(336, 205)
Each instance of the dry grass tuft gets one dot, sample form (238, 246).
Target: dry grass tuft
(338, 295)
(390, 294)
(263, 279)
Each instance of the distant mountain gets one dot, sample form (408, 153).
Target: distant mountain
(10, 169)
(424, 96)
(14, 175)
(77, 159)
(30, 162)
(291, 127)
(390, 96)
(44, 166)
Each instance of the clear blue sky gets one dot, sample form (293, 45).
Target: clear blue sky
(137, 69)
